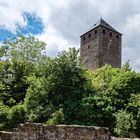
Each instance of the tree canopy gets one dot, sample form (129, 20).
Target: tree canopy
(37, 88)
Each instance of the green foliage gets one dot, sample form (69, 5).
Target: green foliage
(10, 117)
(102, 77)
(13, 77)
(126, 67)
(23, 48)
(36, 101)
(121, 88)
(134, 108)
(118, 89)
(36, 88)
(20, 57)
(125, 124)
(67, 84)
(97, 111)
(4, 111)
(56, 117)
(17, 114)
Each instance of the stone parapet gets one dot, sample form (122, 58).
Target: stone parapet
(5, 135)
(38, 131)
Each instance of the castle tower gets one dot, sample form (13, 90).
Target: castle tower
(101, 45)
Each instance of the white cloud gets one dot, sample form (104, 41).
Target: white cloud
(10, 17)
(54, 40)
(11, 12)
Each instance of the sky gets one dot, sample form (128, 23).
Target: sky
(61, 22)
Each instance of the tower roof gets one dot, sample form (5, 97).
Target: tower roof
(102, 23)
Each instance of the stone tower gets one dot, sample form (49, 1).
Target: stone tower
(101, 45)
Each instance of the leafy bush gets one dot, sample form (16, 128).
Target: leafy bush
(56, 117)
(4, 111)
(17, 114)
(125, 124)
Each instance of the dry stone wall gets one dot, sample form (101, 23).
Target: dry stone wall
(35, 131)
(115, 138)
(5, 135)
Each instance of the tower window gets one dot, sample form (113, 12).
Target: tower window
(89, 35)
(110, 34)
(117, 36)
(88, 46)
(104, 31)
(95, 32)
(84, 38)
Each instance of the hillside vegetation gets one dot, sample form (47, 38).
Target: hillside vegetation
(37, 88)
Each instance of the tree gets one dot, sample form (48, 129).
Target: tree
(67, 84)
(34, 87)
(116, 89)
(16, 115)
(134, 108)
(63, 85)
(4, 111)
(125, 124)
(23, 48)
(20, 58)
(38, 107)
(97, 110)
(122, 87)
(13, 80)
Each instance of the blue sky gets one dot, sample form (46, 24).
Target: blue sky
(60, 24)
(33, 26)
(5, 34)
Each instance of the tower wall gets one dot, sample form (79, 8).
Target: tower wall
(89, 50)
(101, 46)
(110, 48)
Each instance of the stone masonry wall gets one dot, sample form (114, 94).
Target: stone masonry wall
(5, 135)
(34, 131)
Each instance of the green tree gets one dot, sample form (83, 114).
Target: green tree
(67, 84)
(16, 115)
(56, 117)
(38, 107)
(4, 111)
(34, 87)
(97, 110)
(134, 108)
(21, 57)
(114, 87)
(23, 48)
(122, 87)
(63, 85)
(125, 124)
(13, 80)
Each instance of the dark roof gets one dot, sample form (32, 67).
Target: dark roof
(101, 22)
